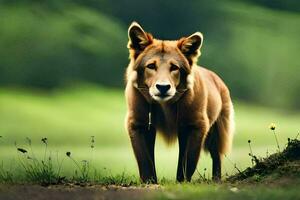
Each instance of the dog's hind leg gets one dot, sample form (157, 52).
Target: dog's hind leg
(219, 139)
(211, 144)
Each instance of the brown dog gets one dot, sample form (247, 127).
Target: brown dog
(168, 93)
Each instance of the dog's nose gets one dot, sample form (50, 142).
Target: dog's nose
(163, 88)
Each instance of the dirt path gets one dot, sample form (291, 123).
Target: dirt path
(22, 192)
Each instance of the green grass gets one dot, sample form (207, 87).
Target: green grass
(69, 117)
(190, 191)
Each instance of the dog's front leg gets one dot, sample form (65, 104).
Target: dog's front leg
(143, 141)
(190, 141)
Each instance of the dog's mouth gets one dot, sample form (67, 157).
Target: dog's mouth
(163, 95)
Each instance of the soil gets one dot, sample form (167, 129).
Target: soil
(62, 192)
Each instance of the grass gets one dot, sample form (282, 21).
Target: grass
(190, 191)
(68, 118)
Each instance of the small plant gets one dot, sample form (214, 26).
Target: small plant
(45, 141)
(204, 173)
(254, 159)
(83, 169)
(92, 142)
(162, 181)
(202, 178)
(297, 135)
(40, 171)
(251, 153)
(82, 173)
(234, 164)
(122, 179)
(92, 147)
(5, 175)
(272, 128)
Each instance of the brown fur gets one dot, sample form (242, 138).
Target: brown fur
(200, 114)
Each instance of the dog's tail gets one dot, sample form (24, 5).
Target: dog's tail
(226, 127)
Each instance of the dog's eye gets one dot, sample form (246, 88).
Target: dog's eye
(151, 66)
(174, 67)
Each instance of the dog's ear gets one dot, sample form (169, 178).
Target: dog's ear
(138, 39)
(190, 46)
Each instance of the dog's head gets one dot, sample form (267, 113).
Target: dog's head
(162, 67)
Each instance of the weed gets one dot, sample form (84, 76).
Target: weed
(272, 128)
(297, 135)
(5, 175)
(202, 178)
(82, 171)
(122, 179)
(254, 159)
(36, 170)
(234, 164)
(251, 152)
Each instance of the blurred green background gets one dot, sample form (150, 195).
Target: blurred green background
(62, 64)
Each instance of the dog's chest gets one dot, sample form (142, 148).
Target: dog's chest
(166, 119)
